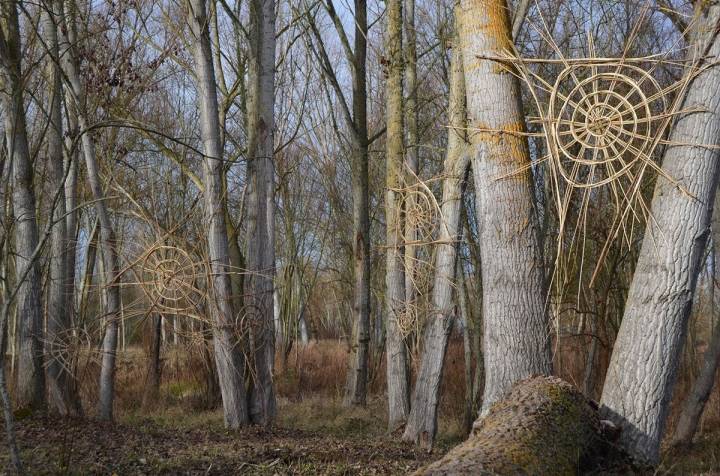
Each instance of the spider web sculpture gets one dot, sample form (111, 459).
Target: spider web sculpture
(604, 124)
(417, 224)
(169, 277)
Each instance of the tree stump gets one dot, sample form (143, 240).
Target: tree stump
(543, 425)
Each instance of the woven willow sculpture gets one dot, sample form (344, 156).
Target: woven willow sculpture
(604, 123)
(169, 277)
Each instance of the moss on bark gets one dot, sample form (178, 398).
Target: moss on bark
(544, 425)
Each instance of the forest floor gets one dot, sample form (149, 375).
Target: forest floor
(338, 442)
(314, 433)
(335, 441)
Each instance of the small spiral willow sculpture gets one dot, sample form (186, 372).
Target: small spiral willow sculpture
(170, 276)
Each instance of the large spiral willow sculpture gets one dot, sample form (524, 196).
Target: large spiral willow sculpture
(602, 122)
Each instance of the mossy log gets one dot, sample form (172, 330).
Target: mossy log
(543, 425)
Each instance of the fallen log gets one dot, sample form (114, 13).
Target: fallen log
(543, 425)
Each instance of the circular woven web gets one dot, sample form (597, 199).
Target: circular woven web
(420, 216)
(602, 122)
(170, 275)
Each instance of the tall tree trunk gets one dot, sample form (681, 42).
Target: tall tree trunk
(111, 267)
(261, 209)
(359, 359)
(228, 355)
(71, 226)
(395, 350)
(411, 152)
(422, 424)
(516, 339)
(59, 370)
(643, 367)
(30, 385)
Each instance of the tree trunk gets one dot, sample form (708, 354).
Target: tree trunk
(59, 369)
(395, 350)
(261, 208)
(422, 424)
(71, 226)
(30, 385)
(108, 243)
(694, 403)
(411, 152)
(7, 409)
(468, 354)
(516, 335)
(228, 355)
(643, 367)
(152, 385)
(360, 356)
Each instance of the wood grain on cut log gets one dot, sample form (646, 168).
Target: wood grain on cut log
(544, 425)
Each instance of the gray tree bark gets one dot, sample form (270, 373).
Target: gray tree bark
(422, 423)
(261, 209)
(398, 385)
(642, 372)
(228, 355)
(61, 397)
(111, 267)
(360, 357)
(411, 150)
(516, 334)
(30, 384)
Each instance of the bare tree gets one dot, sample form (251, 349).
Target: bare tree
(395, 349)
(68, 41)
(640, 379)
(261, 210)
(355, 119)
(422, 424)
(31, 373)
(516, 340)
(228, 355)
(61, 395)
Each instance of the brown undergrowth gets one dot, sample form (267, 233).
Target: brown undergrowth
(315, 433)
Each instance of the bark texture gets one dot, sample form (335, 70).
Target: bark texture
(516, 340)
(30, 384)
(422, 423)
(395, 350)
(261, 207)
(643, 367)
(412, 149)
(542, 426)
(360, 355)
(228, 356)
